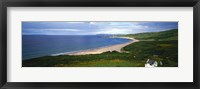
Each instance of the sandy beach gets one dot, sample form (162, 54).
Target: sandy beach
(117, 47)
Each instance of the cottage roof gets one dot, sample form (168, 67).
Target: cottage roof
(151, 62)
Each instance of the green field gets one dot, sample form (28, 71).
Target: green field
(159, 46)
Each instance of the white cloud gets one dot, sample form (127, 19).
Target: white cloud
(92, 22)
(146, 26)
(114, 31)
(72, 30)
(74, 22)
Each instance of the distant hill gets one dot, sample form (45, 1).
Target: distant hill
(156, 36)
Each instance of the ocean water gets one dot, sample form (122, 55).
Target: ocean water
(34, 46)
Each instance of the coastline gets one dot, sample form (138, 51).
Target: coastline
(111, 48)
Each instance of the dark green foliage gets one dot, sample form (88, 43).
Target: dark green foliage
(165, 51)
(159, 46)
(118, 59)
(156, 36)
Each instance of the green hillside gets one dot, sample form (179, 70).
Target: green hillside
(156, 36)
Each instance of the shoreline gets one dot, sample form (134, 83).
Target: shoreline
(111, 48)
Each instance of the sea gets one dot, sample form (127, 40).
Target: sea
(34, 46)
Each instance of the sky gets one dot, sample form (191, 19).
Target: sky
(93, 28)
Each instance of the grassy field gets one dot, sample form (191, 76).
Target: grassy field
(159, 46)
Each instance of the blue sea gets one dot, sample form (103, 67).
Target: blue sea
(34, 46)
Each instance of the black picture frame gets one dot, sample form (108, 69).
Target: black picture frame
(98, 3)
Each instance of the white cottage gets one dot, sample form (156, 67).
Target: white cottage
(151, 63)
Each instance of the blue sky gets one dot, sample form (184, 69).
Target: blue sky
(93, 28)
